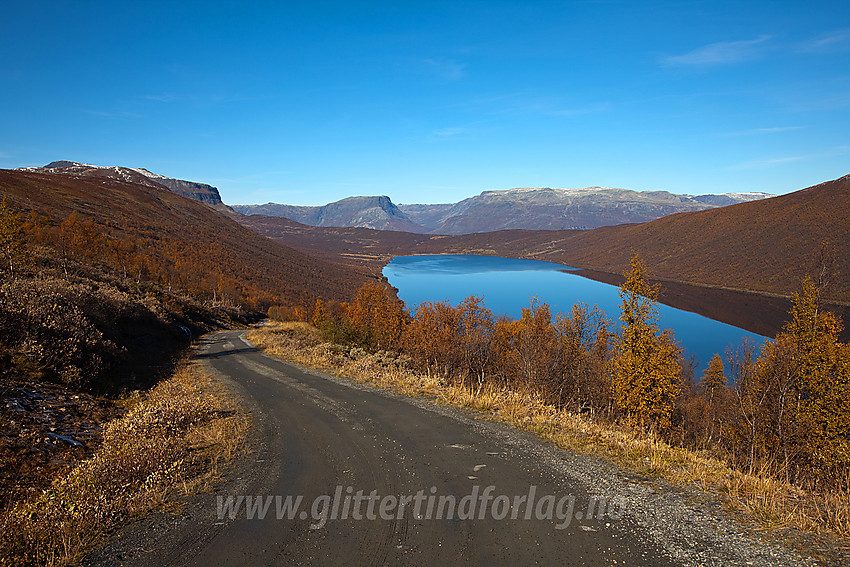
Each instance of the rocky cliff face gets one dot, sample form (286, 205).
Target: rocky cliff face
(368, 212)
(202, 192)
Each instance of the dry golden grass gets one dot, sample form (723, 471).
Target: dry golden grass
(771, 504)
(177, 440)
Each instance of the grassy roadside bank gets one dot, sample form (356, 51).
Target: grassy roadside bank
(176, 439)
(818, 523)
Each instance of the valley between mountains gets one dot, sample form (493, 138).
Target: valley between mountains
(737, 264)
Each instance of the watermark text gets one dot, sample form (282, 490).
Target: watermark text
(346, 503)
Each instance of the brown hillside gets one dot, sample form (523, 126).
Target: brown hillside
(199, 236)
(764, 246)
(354, 246)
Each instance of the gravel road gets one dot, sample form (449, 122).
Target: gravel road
(390, 480)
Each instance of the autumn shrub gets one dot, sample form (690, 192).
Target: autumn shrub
(331, 320)
(13, 252)
(45, 328)
(795, 398)
(585, 344)
(706, 412)
(379, 315)
(531, 354)
(95, 330)
(453, 342)
(165, 444)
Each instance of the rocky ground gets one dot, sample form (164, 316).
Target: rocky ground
(46, 428)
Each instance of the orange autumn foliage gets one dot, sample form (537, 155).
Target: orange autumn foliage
(379, 314)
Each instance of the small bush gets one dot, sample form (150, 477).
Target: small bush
(177, 437)
(45, 329)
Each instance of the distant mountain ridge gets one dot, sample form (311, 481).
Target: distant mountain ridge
(378, 213)
(202, 192)
(522, 208)
(528, 208)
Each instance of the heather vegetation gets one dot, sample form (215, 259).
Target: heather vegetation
(155, 237)
(779, 415)
(176, 439)
(103, 281)
(93, 311)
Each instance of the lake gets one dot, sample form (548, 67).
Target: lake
(507, 285)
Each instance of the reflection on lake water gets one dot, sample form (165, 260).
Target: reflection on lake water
(507, 285)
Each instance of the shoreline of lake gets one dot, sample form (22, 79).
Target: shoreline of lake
(508, 285)
(758, 312)
(753, 311)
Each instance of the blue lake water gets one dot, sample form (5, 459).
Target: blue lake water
(507, 285)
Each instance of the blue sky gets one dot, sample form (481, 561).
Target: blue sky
(431, 101)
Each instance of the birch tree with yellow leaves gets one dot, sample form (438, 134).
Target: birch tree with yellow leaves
(647, 361)
(820, 400)
(12, 250)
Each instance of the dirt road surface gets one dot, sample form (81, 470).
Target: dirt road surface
(390, 480)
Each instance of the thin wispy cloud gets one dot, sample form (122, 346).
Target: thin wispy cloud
(115, 115)
(722, 53)
(527, 103)
(777, 129)
(446, 68)
(557, 108)
(838, 40)
(782, 160)
(771, 130)
(460, 132)
(162, 97)
(450, 132)
(592, 108)
(768, 162)
(204, 99)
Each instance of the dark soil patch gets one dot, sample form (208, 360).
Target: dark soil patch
(46, 429)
